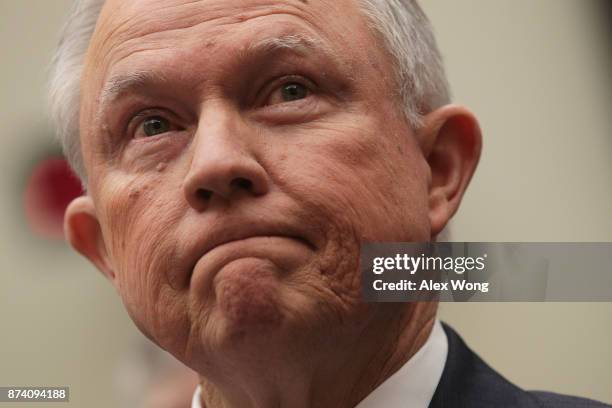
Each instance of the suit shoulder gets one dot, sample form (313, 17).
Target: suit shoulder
(552, 400)
(469, 382)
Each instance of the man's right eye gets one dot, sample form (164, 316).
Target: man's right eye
(155, 125)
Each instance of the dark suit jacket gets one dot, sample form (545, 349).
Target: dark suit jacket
(468, 382)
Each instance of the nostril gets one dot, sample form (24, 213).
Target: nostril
(242, 183)
(203, 194)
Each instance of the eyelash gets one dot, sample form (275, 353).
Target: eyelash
(139, 118)
(278, 83)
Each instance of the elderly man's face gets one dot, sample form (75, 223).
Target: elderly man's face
(237, 153)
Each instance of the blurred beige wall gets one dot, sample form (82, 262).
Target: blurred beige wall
(537, 75)
(534, 71)
(62, 324)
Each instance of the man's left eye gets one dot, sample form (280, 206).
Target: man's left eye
(155, 125)
(289, 92)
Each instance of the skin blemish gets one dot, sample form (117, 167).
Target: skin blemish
(134, 193)
(161, 167)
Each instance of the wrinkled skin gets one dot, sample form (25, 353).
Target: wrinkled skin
(233, 237)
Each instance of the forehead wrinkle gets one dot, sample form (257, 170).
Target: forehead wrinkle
(292, 42)
(117, 30)
(112, 38)
(163, 18)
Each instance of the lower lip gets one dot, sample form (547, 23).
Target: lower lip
(286, 253)
(249, 268)
(258, 241)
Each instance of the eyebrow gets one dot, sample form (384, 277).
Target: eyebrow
(121, 83)
(296, 43)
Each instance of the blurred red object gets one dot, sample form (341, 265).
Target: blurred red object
(49, 190)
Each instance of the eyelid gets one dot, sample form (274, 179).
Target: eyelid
(139, 117)
(283, 80)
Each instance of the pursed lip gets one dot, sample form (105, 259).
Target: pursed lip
(243, 230)
(220, 231)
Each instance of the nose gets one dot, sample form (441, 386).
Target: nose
(223, 165)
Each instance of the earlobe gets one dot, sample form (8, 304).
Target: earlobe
(451, 141)
(83, 231)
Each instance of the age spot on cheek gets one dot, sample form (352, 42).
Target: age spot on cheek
(134, 193)
(137, 191)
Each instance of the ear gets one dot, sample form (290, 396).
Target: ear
(451, 141)
(83, 231)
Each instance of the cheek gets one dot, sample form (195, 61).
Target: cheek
(354, 184)
(137, 221)
(372, 180)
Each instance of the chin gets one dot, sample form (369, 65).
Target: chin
(248, 295)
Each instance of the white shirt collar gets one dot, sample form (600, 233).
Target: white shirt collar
(195, 402)
(413, 385)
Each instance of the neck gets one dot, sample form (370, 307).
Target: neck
(339, 374)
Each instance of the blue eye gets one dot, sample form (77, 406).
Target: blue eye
(293, 91)
(288, 92)
(155, 125)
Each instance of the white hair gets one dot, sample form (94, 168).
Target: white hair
(410, 40)
(402, 25)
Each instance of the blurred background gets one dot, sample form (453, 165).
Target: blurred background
(536, 73)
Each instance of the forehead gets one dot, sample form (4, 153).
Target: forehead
(189, 37)
(127, 27)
